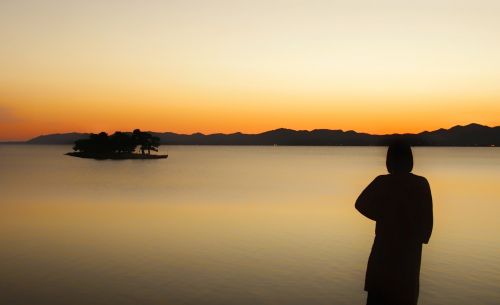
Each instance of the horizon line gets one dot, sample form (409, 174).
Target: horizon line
(239, 132)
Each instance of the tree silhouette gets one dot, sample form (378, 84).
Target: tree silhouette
(118, 143)
(146, 141)
(123, 143)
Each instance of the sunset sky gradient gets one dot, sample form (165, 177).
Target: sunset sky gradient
(227, 65)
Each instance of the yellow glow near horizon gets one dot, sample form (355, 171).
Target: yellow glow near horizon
(226, 66)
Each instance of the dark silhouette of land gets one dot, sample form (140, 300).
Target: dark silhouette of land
(401, 205)
(120, 145)
(470, 135)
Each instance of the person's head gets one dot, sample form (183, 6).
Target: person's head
(399, 157)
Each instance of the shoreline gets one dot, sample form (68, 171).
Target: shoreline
(116, 156)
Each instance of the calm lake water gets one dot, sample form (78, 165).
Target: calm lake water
(232, 225)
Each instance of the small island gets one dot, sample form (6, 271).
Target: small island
(118, 146)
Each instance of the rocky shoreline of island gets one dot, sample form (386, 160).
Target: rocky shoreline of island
(115, 156)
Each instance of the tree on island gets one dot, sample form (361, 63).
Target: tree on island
(123, 143)
(120, 143)
(146, 141)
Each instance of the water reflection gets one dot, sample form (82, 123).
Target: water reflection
(231, 225)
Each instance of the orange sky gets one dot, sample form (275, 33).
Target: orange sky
(250, 66)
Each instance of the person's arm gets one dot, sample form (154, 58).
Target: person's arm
(366, 203)
(427, 216)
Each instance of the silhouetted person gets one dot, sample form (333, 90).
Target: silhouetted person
(401, 205)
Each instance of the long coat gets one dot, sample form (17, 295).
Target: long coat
(401, 205)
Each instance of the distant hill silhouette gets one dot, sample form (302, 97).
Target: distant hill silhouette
(58, 138)
(469, 135)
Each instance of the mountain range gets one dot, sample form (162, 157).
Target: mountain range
(469, 135)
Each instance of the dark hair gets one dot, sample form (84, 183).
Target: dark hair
(399, 157)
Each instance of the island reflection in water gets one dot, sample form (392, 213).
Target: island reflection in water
(232, 225)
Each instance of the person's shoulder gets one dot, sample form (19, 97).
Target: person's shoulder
(381, 178)
(420, 179)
